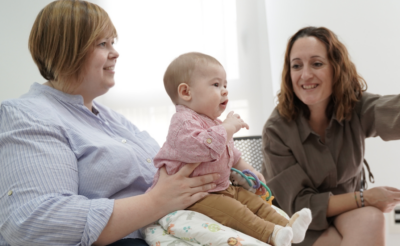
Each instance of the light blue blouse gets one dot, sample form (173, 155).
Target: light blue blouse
(62, 166)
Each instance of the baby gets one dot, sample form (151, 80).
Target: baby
(196, 84)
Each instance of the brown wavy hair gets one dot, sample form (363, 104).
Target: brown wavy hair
(347, 84)
(63, 36)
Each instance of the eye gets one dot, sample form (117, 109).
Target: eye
(102, 44)
(295, 66)
(216, 84)
(318, 64)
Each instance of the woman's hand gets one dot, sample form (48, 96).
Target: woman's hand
(179, 191)
(384, 198)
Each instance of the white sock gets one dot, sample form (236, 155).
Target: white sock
(282, 236)
(299, 223)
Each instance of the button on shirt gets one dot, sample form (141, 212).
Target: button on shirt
(62, 166)
(194, 138)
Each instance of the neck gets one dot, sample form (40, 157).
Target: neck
(318, 121)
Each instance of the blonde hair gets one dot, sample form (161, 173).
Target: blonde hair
(347, 86)
(63, 36)
(180, 70)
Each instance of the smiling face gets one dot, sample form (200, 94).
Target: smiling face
(99, 70)
(208, 90)
(311, 72)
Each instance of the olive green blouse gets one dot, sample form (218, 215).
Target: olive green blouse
(301, 171)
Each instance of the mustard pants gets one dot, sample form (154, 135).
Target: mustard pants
(241, 210)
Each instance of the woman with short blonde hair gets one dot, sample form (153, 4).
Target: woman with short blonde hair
(74, 172)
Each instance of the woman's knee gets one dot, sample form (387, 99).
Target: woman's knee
(363, 220)
(372, 217)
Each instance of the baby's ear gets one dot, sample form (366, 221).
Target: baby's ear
(184, 92)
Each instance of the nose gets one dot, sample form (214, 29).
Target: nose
(307, 73)
(224, 92)
(113, 53)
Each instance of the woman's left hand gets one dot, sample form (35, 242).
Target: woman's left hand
(384, 198)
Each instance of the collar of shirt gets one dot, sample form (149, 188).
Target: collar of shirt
(182, 108)
(68, 98)
(76, 100)
(305, 129)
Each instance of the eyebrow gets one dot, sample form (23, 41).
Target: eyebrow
(218, 78)
(311, 57)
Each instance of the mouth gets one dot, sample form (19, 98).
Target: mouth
(224, 103)
(309, 87)
(109, 68)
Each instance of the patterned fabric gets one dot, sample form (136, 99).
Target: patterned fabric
(194, 138)
(189, 228)
(62, 166)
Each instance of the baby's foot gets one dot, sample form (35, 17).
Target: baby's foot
(282, 236)
(299, 223)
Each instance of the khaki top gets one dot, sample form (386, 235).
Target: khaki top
(301, 171)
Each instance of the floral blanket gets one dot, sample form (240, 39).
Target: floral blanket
(187, 228)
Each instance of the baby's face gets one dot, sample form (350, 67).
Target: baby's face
(209, 90)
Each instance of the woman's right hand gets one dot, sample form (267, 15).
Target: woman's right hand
(384, 198)
(179, 191)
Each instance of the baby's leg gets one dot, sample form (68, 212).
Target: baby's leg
(223, 208)
(299, 223)
(259, 207)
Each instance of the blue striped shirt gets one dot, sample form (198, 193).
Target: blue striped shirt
(62, 166)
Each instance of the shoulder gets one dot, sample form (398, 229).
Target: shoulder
(35, 107)
(366, 103)
(181, 117)
(277, 123)
(367, 97)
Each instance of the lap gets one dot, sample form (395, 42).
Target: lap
(362, 219)
(363, 226)
(129, 242)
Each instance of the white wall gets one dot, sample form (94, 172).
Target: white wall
(371, 32)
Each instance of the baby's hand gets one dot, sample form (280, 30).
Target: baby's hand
(234, 123)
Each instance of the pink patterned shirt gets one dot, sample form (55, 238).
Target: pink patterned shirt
(194, 138)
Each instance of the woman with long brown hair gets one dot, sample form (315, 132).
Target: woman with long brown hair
(314, 142)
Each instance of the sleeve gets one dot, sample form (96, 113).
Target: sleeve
(39, 186)
(291, 186)
(194, 143)
(380, 116)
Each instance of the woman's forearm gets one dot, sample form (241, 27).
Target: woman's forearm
(342, 203)
(171, 193)
(130, 214)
